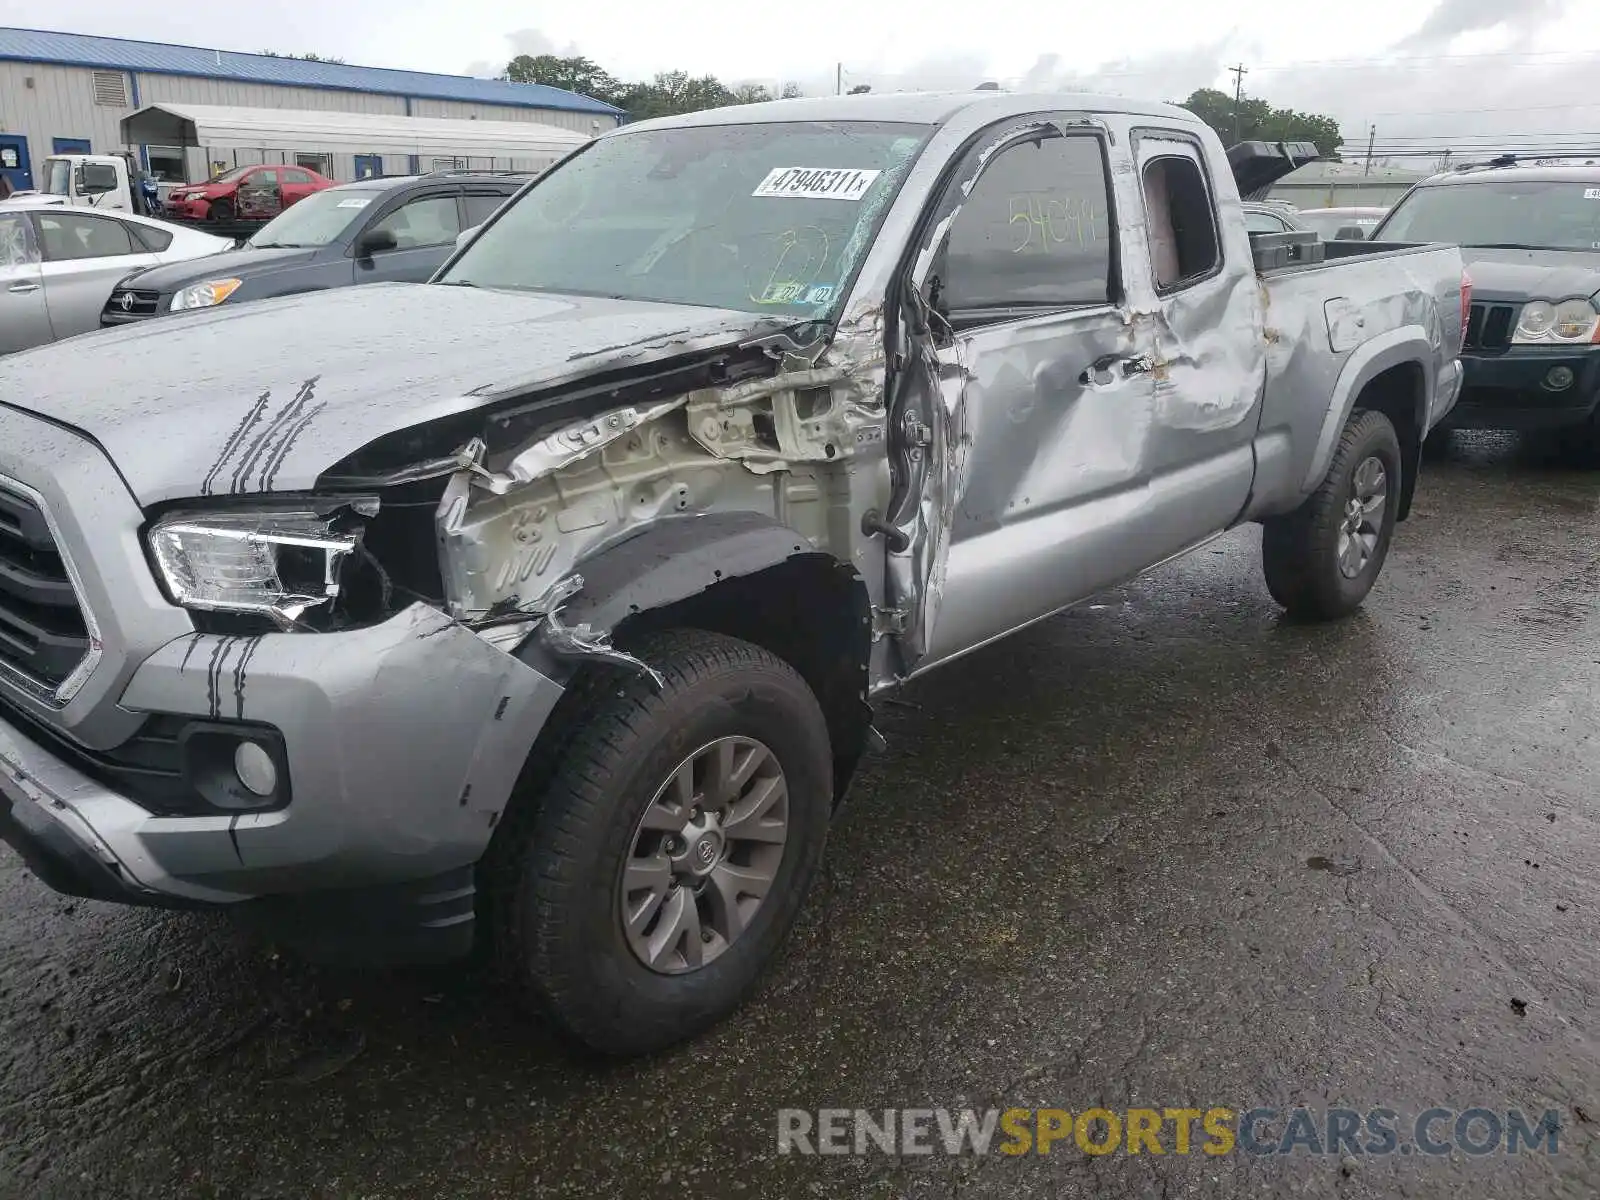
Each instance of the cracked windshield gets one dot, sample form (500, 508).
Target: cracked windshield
(770, 218)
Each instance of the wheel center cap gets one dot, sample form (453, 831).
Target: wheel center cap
(705, 852)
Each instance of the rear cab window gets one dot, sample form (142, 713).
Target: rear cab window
(1181, 221)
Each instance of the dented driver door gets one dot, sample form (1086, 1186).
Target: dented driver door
(1043, 394)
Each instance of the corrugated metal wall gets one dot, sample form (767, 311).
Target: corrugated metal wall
(459, 111)
(59, 102)
(44, 102)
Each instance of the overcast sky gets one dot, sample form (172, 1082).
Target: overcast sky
(1463, 71)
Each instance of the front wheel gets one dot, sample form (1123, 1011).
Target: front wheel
(1322, 559)
(638, 900)
(220, 212)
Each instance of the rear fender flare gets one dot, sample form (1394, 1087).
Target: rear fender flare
(1398, 347)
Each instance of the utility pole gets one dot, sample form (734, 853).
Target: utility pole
(1372, 136)
(1239, 73)
(838, 79)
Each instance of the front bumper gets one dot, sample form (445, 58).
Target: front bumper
(194, 208)
(1511, 389)
(402, 741)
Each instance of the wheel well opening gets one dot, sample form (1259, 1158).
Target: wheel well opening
(1398, 394)
(813, 612)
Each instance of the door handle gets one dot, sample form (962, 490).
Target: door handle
(1106, 368)
(22, 289)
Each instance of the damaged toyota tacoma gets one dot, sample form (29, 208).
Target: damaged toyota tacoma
(546, 603)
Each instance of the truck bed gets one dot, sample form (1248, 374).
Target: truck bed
(1327, 322)
(1331, 254)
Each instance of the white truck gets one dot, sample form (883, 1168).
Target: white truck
(106, 181)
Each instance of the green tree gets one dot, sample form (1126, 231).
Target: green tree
(674, 92)
(307, 57)
(668, 94)
(579, 74)
(1259, 121)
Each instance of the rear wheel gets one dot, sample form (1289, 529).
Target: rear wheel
(1322, 559)
(638, 900)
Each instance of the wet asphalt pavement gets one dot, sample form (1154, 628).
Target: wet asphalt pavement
(1168, 850)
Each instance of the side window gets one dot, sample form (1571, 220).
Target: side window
(1182, 229)
(291, 175)
(1034, 233)
(481, 207)
(16, 242)
(67, 237)
(430, 221)
(152, 239)
(1260, 222)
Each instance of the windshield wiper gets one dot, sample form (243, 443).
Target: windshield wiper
(283, 245)
(1511, 246)
(457, 283)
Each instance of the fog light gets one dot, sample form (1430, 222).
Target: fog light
(254, 767)
(1559, 379)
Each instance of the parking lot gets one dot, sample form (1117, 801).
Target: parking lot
(1166, 850)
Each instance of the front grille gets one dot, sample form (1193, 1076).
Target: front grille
(1489, 327)
(43, 632)
(129, 302)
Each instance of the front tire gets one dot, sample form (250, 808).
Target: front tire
(220, 212)
(639, 899)
(1322, 559)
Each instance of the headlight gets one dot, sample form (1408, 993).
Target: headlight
(1543, 323)
(280, 563)
(204, 295)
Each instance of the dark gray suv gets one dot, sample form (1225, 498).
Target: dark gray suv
(386, 230)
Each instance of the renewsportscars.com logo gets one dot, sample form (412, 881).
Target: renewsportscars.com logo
(1341, 1132)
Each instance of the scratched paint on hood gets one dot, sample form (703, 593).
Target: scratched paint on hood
(266, 396)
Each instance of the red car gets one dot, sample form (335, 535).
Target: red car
(245, 194)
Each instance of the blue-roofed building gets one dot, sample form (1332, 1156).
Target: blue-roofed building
(67, 93)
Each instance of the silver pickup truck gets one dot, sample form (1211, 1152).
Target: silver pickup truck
(548, 601)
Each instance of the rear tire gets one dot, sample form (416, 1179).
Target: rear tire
(636, 761)
(1322, 559)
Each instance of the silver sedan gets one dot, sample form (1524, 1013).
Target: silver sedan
(58, 265)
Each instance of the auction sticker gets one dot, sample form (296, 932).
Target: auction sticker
(816, 183)
(354, 202)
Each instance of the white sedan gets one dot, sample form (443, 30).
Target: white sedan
(58, 265)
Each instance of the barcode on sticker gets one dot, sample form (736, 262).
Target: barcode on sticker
(816, 183)
(1591, 193)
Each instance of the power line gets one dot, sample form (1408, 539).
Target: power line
(1404, 63)
(1472, 112)
(1406, 139)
